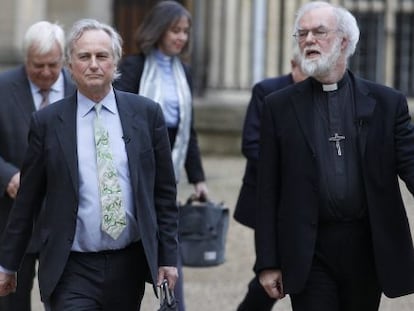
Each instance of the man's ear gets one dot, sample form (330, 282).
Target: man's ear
(344, 43)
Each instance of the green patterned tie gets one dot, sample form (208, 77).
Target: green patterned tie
(113, 214)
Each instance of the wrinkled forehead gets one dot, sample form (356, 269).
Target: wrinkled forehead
(318, 17)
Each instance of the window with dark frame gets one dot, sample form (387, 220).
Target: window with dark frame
(404, 53)
(368, 60)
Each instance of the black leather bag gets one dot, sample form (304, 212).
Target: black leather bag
(167, 299)
(203, 227)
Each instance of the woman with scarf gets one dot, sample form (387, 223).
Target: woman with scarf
(158, 72)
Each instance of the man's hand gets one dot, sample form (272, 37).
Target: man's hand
(167, 273)
(201, 190)
(271, 280)
(13, 185)
(8, 283)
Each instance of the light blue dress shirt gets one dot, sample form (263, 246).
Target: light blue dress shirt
(89, 237)
(170, 105)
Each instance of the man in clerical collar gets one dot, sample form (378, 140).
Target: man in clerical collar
(333, 231)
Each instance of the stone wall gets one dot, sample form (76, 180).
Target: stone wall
(219, 121)
(17, 15)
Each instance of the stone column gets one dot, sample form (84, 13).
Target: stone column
(15, 17)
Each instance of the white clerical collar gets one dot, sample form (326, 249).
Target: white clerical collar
(330, 87)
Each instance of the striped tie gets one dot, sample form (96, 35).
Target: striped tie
(45, 98)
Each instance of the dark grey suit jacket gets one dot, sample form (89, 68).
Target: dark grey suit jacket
(288, 183)
(16, 108)
(50, 169)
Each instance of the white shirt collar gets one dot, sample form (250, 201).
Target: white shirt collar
(330, 87)
(85, 104)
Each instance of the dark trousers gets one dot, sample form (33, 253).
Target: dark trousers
(343, 276)
(104, 281)
(256, 298)
(21, 299)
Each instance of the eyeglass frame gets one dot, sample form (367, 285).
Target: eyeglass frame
(318, 33)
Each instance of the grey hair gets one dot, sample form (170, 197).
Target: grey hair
(79, 28)
(41, 37)
(346, 22)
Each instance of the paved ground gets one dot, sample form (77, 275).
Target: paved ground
(221, 288)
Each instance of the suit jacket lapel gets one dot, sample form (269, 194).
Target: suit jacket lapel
(364, 109)
(66, 134)
(130, 131)
(302, 102)
(23, 96)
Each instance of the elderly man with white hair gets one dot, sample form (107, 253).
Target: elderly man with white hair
(333, 231)
(41, 80)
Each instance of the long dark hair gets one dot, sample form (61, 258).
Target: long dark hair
(157, 22)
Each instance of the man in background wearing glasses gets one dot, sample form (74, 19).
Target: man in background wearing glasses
(333, 231)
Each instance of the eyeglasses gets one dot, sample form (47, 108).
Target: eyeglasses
(317, 33)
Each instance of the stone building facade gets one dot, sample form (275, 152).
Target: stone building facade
(235, 44)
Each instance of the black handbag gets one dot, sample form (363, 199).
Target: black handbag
(203, 227)
(167, 299)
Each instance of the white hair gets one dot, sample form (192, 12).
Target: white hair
(346, 22)
(41, 38)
